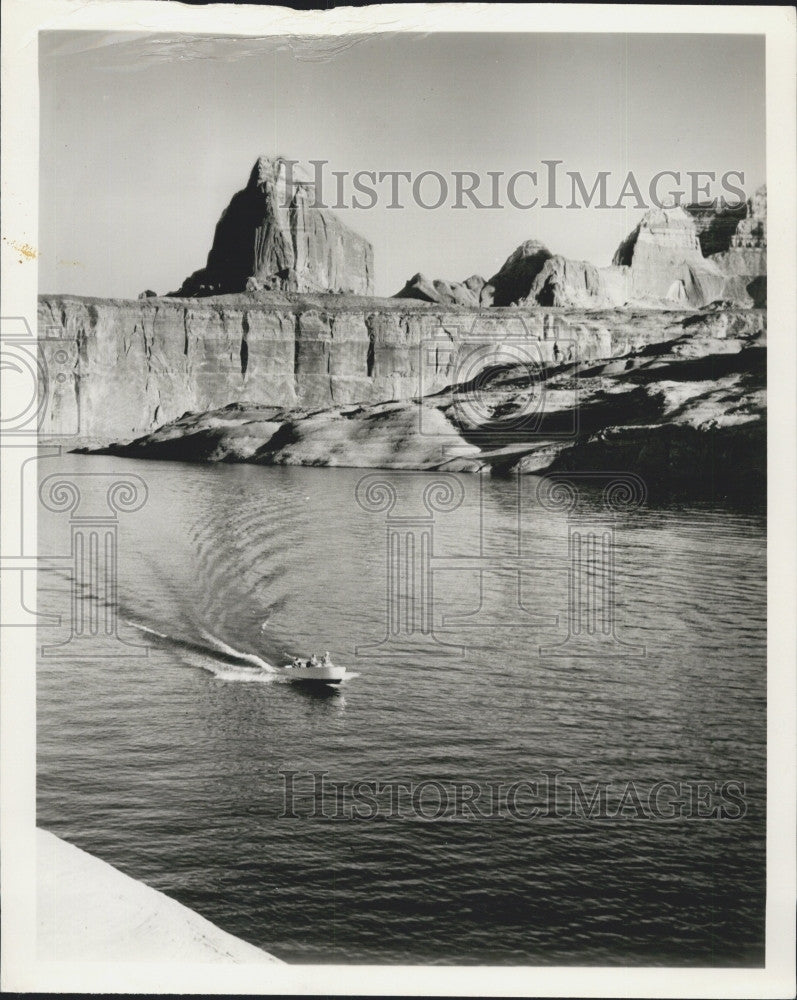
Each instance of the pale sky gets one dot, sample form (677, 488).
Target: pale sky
(145, 138)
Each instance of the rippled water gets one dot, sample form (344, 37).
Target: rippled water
(167, 763)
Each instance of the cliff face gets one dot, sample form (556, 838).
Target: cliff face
(690, 410)
(131, 365)
(272, 236)
(715, 225)
(752, 230)
(745, 261)
(666, 262)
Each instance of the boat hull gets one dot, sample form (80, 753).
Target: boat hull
(315, 675)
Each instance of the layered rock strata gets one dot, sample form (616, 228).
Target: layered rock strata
(666, 264)
(745, 261)
(119, 368)
(689, 411)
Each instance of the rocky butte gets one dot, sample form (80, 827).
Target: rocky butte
(272, 236)
(660, 263)
(276, 351)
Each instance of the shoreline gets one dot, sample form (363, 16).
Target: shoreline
(686, 412)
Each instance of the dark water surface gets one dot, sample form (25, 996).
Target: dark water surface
(167, 765)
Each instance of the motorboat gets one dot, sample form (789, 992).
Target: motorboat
(303, 672)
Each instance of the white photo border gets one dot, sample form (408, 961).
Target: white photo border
(22, 21)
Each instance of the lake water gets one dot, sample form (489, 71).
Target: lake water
(170, 761)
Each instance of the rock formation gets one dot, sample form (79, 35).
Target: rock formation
(744, 262)
(715, 224)
(272, 236)
(577, 284)
(752, 230)
(278, 339)
(660, 263)
(563, 282)
(662, 233)
(512, 284)
(132, 365)
(690, 410)
(450, 293)
(689, 413)
(665, 260)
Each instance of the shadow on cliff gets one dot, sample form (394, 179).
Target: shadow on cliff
(521, 409)
(657, 409)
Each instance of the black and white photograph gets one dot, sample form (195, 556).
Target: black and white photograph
(387, 511)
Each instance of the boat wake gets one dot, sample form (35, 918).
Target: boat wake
(235, 654)
(225, 662)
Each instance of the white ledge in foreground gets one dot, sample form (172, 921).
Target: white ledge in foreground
(89, 911)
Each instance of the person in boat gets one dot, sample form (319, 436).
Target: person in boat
(313, 661)
(296, 662)
(326, 660)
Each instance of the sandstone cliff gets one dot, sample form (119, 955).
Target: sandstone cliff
(715, 225)
(130, 365)
(294, 373)
(744, 262)
(752, 230)
(665, 260)
(689, 414)
(509, 286)
(272, 236)
(689, 410)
